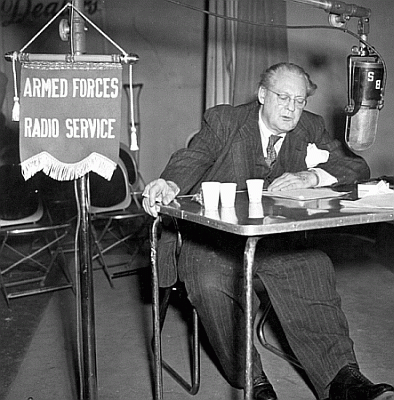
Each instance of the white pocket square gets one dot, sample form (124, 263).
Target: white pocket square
(315, 156)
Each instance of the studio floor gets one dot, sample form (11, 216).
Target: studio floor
(39, 357)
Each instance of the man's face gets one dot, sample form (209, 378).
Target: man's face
(282, 116)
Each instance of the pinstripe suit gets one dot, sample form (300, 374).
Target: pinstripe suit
(300, 282)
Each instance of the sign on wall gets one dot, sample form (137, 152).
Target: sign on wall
(70, 118)
(23, 11)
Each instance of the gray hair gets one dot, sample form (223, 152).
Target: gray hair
(268, 76)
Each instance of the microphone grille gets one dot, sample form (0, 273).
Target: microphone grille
(361, 129)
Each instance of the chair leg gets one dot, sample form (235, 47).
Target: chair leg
(100, 255)
(120, 236)
(193, 387)
(2, 284)
(263, 341)
(46, 268)
(4, 290)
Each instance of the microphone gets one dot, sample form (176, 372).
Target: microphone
(365, 100)
(350, 10)
(339, 8)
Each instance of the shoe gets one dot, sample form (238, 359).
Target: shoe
(262, 389)
(350, 384)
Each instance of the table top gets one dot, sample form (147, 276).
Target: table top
(275, 214)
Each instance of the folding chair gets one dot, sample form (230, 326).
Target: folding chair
(117, 215)
(30, 242)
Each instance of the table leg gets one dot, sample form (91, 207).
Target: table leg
(249, 252)
(158, 395)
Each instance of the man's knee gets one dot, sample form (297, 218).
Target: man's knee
(284, 262)
(206, 286)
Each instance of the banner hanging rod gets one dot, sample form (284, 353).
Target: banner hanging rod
(111, 58)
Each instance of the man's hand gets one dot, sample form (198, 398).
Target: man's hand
(160, 191)
(297, 180)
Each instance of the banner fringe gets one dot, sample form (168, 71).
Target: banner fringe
(60, 171)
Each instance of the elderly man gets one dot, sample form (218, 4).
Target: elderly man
(269, 139)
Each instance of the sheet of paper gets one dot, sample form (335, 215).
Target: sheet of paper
(305, 194)
(382, 201)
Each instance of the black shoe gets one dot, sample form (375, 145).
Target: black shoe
(262, 389)
(350, 384)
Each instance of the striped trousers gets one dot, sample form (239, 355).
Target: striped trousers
(301, 286)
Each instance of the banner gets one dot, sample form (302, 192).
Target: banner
(70, 118)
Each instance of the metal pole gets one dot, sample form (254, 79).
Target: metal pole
(158, 395)
(249, 252)
(88, 336)
(87, 323)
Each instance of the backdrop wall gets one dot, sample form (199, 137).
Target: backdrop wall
(169, 40)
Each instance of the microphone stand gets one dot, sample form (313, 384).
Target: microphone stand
(85, 300)
(87, 345)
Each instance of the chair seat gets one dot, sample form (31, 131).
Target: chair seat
(119, 215)
(29, 251)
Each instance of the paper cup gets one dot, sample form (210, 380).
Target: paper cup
(256, 210)
(210, 194)
(213, 214)
(228, 214)
(255, 189)
(227, 194)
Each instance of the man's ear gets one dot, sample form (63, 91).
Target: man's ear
(261, 94)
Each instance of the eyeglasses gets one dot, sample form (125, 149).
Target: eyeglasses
(284, 99)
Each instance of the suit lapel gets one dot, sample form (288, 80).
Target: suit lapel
(250, 134)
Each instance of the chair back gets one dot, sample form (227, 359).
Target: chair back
(29, 219)
(112, 195)
(127, 157)
(19, 201)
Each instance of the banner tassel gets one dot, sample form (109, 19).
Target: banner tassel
(16, 107)
(133, 142)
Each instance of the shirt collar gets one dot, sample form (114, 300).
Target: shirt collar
(266, 132)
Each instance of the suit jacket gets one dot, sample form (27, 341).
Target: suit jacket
(228, 149)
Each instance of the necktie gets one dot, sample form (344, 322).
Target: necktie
(271, 153)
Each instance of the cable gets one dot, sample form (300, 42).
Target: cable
(277, 26)
(245, 21)
(295, 27)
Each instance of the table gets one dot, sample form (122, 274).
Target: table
(273, 215)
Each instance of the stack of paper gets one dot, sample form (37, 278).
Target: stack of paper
(379, 196)
(377, 201)
(305, 194)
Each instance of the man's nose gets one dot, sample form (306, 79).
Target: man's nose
(291, 105)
